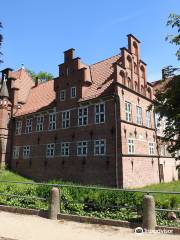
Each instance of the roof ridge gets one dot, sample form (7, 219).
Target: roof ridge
(104, 59)
(42, 83)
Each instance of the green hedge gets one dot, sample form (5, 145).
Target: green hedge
(89, 202)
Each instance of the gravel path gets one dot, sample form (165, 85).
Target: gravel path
(24, 227)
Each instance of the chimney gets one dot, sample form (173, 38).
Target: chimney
(69, 55)
(37, 81)
(6, 73)
(165, 73)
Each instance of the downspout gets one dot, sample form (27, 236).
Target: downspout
(116, 99)
(157, 148)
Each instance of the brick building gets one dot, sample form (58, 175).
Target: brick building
(91, 124)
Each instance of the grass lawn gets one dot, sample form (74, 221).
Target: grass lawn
(170, 187)
(6, 175)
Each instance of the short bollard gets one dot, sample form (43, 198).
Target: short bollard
(54, 203)
(149, 214)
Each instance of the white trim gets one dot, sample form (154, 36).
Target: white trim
(72, 91)
(64, 96)
(83, 116)
(82, 155)
(66, 120)
(51, 147)
(131, 145)
(99, 113)
(26, 151)
(99, 154)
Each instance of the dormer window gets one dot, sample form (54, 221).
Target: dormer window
(67, 71)
(62, 95)
(73, 92)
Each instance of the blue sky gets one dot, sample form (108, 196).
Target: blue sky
(37, 32)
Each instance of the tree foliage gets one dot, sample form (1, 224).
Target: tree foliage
(41, 76)
(167, 102)
(174, 22)
(1, 39)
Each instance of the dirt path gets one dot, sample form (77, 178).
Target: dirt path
(23, 227)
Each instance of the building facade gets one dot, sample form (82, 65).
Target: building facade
(91, 124)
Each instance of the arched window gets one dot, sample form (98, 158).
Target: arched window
(142, 72)
(122, 77)
(136, 86)
(142, 89)
(149, 92)
(135, 48)
(135, 68)
(129, 62)
(129, 82)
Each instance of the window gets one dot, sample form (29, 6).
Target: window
(100, 113)
(26, 151)
(65, 149)
(136, 87)
(52, 121)
(130, 146)
(142, 89)
(66, 119)
(99, 147)
(128, 110)
(82, 148)
(162, 150)
(157, 120)
(148, 119)
(129, 82)
(135, 68)
(139, 115)
(50, 149)
(83, 116)
(151, 148)
(16, 152)
(129, 62)
(73, 92)
(18, 127)
(39, 123)
(29, 125)
(142, 73)
(62, 95)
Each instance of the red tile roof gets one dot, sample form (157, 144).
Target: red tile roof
(23, 82)
(102, 78)
(39, 97)
(43, 95)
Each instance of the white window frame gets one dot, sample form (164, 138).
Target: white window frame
(99, 113)
(62, 95)
(157, 121)
(50, 150)
(26, 151)
(66, 119)
(139, 115)
(151, 148)
(148, 119)
(65, 149)
(18, 128)
(29, 122)
(52, 121)
(73, 92)
(131, 148)
(39, 123)
(128, 111)
(82, 148)
(82, 116)
(99, 144)
(15, 152)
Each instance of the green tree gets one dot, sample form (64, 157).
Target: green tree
(1, 39)
(167, 102)
(42, 76)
